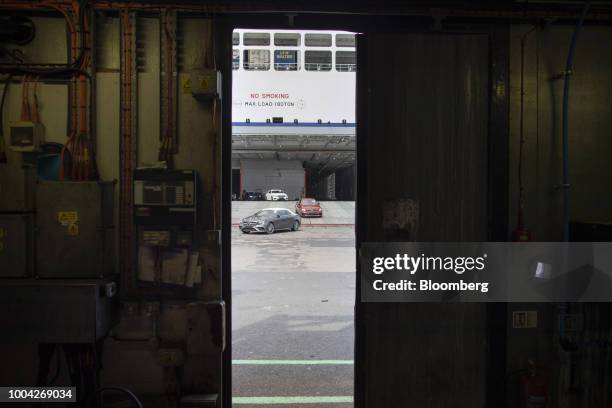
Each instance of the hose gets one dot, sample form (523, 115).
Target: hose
(521, 120)
(565, 126)
(123, 390)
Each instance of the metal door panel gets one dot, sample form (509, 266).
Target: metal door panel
(17, 179)
(422, 103)
(15, 245)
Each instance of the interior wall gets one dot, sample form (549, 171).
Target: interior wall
(589, 122)
(590, 147)
(53, 96)
(191, 321)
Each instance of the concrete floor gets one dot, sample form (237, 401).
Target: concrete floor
(293, 299)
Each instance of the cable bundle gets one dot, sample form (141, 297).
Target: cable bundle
(168, 145)
(82, 166)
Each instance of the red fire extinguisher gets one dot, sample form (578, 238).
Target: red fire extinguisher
(534, 389)
(520, 233)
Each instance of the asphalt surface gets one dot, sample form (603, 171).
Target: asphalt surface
(334, 212)
(293, 300)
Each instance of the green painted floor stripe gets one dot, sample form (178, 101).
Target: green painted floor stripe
(292, 362)
(291, 400)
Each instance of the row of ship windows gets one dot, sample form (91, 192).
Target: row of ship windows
(290, 60)
(294, 39)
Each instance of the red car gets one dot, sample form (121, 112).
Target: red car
(308, 207)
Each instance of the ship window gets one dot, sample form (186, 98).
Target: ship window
(317, 60)
(287, 39)
(256, 60)
(346, 61)
(318, 40)
(235, 59)
(345, 40)
(235, 38)
(285, 60)
(256, 39)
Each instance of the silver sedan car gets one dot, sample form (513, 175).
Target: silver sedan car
(269, 220)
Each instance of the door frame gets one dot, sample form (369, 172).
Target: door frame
(498, 175)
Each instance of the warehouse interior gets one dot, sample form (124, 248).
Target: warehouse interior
(475, 122)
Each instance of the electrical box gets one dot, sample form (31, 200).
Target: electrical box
(165, 197)
(206, 84)
(525, 319)
(57, 310)
(165, 207)
(16, 243)
(26, 136)
(166, 236)
(75, 229)
(17, 182)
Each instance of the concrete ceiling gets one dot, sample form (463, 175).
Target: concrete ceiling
(322, 154)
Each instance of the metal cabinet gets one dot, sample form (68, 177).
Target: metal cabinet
(17, 179)
(16, 258)
(75, 229)
(57, 310)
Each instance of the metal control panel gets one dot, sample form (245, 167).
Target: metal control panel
(75, 229)
(205, 84)
(165, 197)
(16, 245)
(17, 183)
(57, 310)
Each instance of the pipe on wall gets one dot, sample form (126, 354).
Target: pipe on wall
(565, 126)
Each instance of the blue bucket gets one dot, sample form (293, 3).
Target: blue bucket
(48, 166)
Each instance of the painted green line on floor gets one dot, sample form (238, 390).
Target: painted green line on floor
(291, 400)
(292, 362)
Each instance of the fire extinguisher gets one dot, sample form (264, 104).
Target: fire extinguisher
(534, 389)
(520, 233)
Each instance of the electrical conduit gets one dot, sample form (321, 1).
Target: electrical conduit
(565, 126)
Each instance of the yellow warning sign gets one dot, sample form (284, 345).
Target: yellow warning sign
(187, 85)
(73, 229)
(67, 217)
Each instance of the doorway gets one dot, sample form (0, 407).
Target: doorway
(293, 237)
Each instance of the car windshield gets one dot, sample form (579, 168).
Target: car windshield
(276, 191)
(309, 201)
(264, 212)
